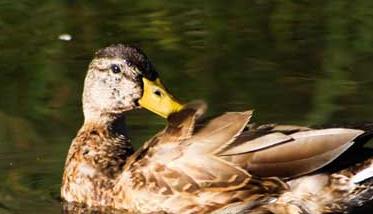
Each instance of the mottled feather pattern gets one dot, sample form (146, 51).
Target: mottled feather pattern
(175, 173)
(173, 168)
(96, 157)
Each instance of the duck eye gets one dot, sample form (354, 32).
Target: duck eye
(115, 69)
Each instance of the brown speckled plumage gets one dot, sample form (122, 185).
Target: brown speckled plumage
(222, 166)
(95, 159)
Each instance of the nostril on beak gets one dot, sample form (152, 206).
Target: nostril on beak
(158, 93)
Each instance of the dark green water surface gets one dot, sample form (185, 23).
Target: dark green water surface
(299, 62)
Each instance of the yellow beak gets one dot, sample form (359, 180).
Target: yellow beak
(155, 98)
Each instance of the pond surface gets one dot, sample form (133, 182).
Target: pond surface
(307, 63)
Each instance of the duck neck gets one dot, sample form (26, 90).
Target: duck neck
(108, 143)
(113, 125)
(95, 159)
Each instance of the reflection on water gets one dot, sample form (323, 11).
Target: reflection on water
(307, 63)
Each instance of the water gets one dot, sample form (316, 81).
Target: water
(305, 63)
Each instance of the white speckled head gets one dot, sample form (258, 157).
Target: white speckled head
(113, 82)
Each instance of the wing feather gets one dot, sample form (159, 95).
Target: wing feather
(259, 143)
(306, 152)
(220, 132)
(175, 160)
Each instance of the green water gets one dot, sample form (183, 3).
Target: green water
(306, 63)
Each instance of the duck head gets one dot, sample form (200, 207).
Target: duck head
(121, 78)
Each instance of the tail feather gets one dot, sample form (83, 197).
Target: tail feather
(362, 180)
(348, 188)
(339, 192)
(363, 175)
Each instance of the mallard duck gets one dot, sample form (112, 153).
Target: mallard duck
(221, 166)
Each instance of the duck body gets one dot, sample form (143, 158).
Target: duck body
(166, 175)
(187, 170)
(222, 166)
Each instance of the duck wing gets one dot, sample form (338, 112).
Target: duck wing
(288, 151)
(188, 157)
(179, 160)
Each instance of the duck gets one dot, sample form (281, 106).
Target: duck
(222, 165)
